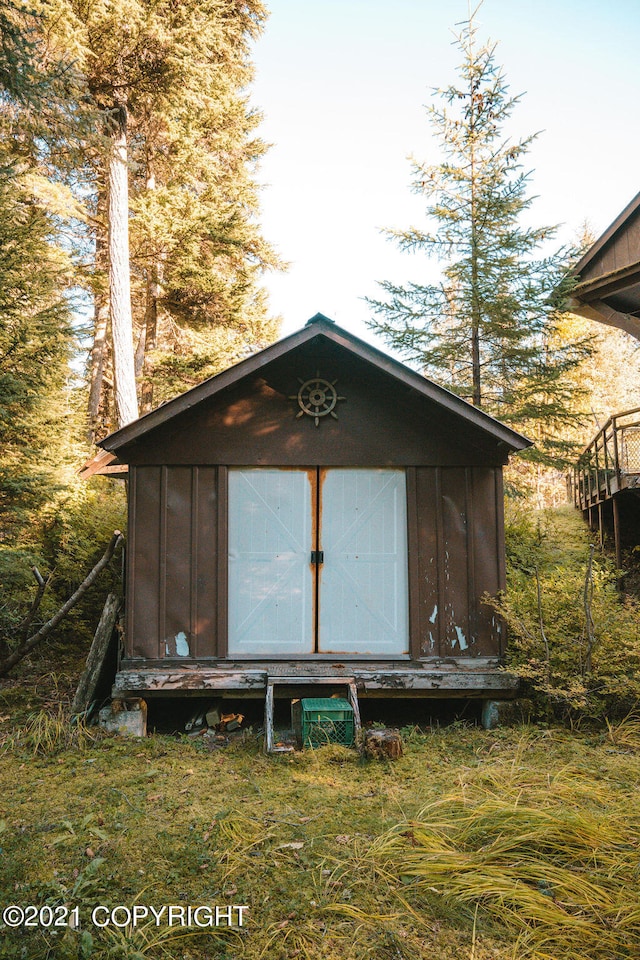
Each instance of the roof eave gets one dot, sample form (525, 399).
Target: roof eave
(602, 240)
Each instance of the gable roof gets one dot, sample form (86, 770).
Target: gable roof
(317, 326)
(608, 288)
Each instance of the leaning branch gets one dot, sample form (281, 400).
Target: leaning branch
(42, 586)
(25, 648)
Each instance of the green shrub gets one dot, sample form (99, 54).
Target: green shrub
(574, 640)
(64, 540)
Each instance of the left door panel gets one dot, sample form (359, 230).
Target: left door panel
(270, 577)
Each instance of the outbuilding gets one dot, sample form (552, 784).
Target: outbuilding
(317, 513)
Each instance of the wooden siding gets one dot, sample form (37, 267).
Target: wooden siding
(459, 559)
(380, 423)
(322, 341)
(181, 457)
(620, 250)
(172, 577)
(177, 582)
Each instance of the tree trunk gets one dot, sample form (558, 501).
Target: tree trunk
(475, 291)
(119, 276)
(149, 335)
(97, 365)
(90, 679)
(383, 744)
(101, 322)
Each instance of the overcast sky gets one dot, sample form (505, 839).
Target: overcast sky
(343, 84)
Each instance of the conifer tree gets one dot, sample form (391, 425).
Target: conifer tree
(166, 83)
(36, 336)
(487, 330)
(151, 102)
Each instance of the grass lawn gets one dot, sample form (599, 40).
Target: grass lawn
(519, 842)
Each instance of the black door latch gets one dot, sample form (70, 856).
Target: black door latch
(317, 556)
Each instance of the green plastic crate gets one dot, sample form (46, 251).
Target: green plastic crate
(327, 720)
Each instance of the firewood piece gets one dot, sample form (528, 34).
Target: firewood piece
(230, 721)
(383, 744)
(197, 719)
(213, 714)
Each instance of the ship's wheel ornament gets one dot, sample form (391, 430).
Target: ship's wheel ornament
(317, 398)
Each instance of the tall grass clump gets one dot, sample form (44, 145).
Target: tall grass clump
(47, 733)
(554, 882)
(574, 640)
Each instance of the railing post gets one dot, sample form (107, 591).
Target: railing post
(607, 483)
(597, 468)
(617, 540)
(616, 453)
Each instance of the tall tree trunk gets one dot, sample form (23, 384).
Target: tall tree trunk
(119, 277)
(475, 289)
(100, 323)
(96, 373)
(149, 334)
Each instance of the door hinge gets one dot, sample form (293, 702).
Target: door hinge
(317, 556)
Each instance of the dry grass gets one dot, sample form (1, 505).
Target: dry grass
(626, 733)
(473, 846)
(563, 883)
(47, 733)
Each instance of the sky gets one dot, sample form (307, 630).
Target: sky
(343, 84)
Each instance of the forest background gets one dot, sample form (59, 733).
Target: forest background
(129, 187)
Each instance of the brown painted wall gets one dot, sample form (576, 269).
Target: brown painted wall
(459, 536)
(172, 563)
(177, 558)
(178, 554)
(622, 250)
(380, 423)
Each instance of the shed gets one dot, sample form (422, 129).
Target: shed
(318, 511)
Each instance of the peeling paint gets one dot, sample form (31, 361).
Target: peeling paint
(432, 642)
(462, 640)
(182, 646)
(177, 646)
(432, 618)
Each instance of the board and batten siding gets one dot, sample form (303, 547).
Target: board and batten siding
(172, 562)
(458, 558)
(178, 556)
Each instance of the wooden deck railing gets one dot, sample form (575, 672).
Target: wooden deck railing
(610, 463)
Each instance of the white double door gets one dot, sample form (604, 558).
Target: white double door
(317, 561)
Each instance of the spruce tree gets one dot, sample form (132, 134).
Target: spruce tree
(166, 84)
(36, 341)
(36, 335)
(150, 101)
(488, 330)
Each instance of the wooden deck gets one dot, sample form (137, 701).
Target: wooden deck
(607, 475)
(454, 677)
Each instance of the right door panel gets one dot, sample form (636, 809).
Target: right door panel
(363, 602)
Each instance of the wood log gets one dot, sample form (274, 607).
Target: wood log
(383, 744)
(97, 655)
(25, 648)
